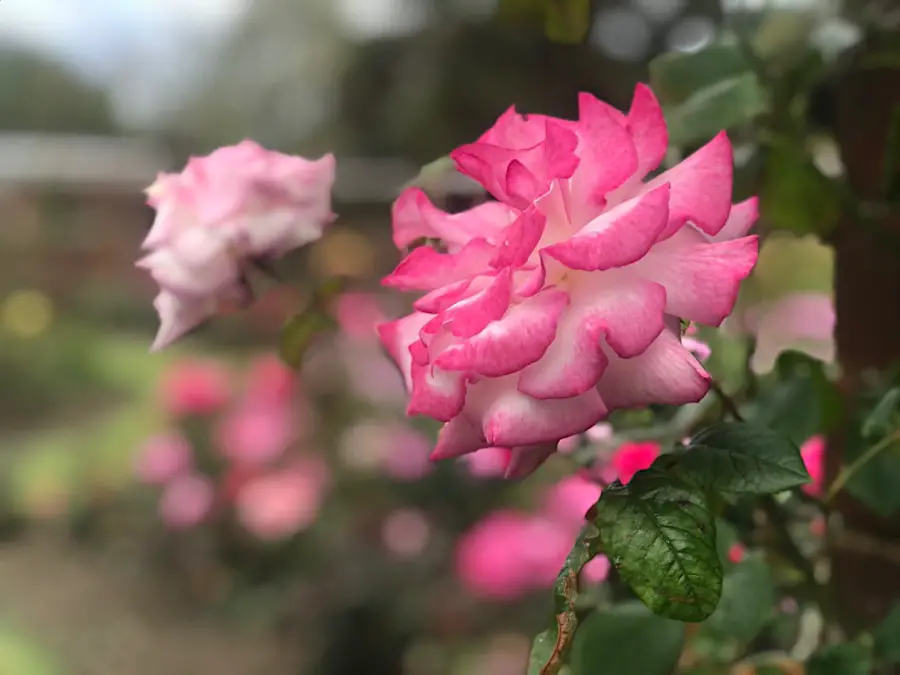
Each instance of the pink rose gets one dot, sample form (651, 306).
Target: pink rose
(488, 462)
(628, 459)
(239, 204)
(489, 557)
(199, 387)
(278, 505)
(270, 381)
(736, 553)
(596, 570)
(256, 434)
(562, 301)
(567, 502)
(186, 501)
(813, 453)
(802, 322)
(405, 533)
(358, 314)
(162, 458)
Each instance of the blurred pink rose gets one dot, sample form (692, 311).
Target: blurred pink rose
(489, 557)
(390, 447)
(798, 321)
(256, 434)
(406, 453)
(509, 553)
(197, 387)
(628, 459)
(813, 453)
(600, 432)
(163, 457)
(269, 381)
(736, 553)
(358, 314)
(280, 504)
(503, 655)
(597, 570)
(371, 375)
(405, 533)
(186, 501)
(239, 204)
(568, 501)
(567, 444)
(488, 462)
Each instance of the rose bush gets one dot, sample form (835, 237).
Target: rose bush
(561, 301)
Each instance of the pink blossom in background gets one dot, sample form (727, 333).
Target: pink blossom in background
(186, 501)
(736, 553)
(813, 453)
(562, 300)
(596, 570)
(240, 203)
(600, 433)
(280, 504)
(503, 655)
(628, 459)
(198, 387)
(801, 322)
(372, 376)
(818, 526)
(567, 501)
(389, 447)
(163, 457)
(358, 314)
(406, 454)
(256, 434)
(568, 444)
(544, 545)
(488, 462)
(405, 533)
(489, 557)
(269, 381)
(699, 349)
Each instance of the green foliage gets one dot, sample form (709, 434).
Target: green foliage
(883, 418)
(660, 534)
(565, 21)
(739, 458)
(887, 637)
(676, 76)
(795, 195)
(627, 639)
(21, 656)
(843, 659)
(748, 595)
(727, 104)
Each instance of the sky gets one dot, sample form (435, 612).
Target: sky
(94, 35)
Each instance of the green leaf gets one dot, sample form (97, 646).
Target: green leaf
(795, 196)
(741, 458)
(298, 333)
(627, 639)
(887, 637)
(660, 534)
(843, 659)
(748, 595)
(724, 105)
(21, 656)
(793, 409)
(882, 420)
(875, 483)
(551, 647)
(567, 21)
(675, 76)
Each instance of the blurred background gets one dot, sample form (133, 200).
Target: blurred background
(203, 509)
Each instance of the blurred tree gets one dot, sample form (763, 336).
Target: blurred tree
(40, 94)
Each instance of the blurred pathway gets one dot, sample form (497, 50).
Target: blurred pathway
(93, 615)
